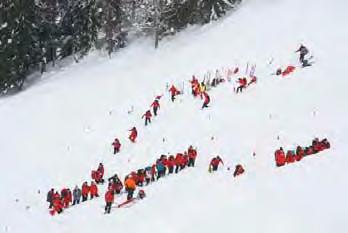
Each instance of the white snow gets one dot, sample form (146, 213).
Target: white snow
(56, 132)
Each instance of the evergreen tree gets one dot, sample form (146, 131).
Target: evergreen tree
(21, 51)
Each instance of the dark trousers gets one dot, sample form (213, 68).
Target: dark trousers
(240, 89)
(116, 150)
(108, 207)
(51, 205)
(130, 193)
(173, 98)
(153, 178)
(93, 196)
(147, 180)
(147, 120)
(205, 105)
(76, 202)
(170, 170)
(191, 162)
(177, 168)
(155, 111)
(84, 198)
(215, 168)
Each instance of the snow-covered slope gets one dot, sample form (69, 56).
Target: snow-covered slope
(56, 132)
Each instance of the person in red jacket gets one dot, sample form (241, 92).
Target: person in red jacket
(109, 199)
(155, 106)
(117, 146)
(299, 153)
(93, 189)
(173, 92)
(171, 164)
(192, 154)
(239, 170)
(133, 135)
(242, 84)
(280, 157)
(290, 156)
(252, 80)
(214, 163)
(84, 191)
(57, 205)
(178, 161)
(147, 116)
(67, 198)
(206, 100)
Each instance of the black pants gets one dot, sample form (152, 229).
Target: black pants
(153, 178)
(240, 89)
(173, 98)
(147, 180)
(205, 105)
(116, 150)
(108, 207)
(51, 205)
(130, 194)
(147, 120)
(93, 196)
(170, 170)
(191, 162)
(302, 55)
(177, 168)
(215, 168)
(76, 202)
(155, 111)
(84, 198)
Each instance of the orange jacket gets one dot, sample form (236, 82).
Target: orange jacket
(130, 183)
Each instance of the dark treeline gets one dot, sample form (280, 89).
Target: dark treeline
(34, 33)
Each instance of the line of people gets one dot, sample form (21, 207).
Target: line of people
(292, 156)
(58, 201)
(163, 166)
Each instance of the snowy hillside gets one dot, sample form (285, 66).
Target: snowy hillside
(56, 132)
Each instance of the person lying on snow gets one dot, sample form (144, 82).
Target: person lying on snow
(214, 163)
(117, 146)
(239, 170)
(141, 194)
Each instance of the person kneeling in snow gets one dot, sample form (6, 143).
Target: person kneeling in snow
(214, 163)
(141, 194)
(239, 170)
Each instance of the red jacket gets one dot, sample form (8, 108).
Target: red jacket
(243, 82)
(85, 190)
(173, 90)
(101, 170)
(290, 157)
(155, 104)
(153, 169)
(170, 163)
(116, 143)
(206, 98)
(178, 159)
(192, 153)
(215, 162)
(147, 114)
(109, 196)
(280, 158)
(93, 189)
(57, 205)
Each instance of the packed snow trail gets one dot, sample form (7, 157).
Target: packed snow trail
(55, 131)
